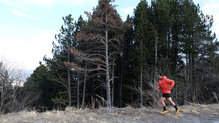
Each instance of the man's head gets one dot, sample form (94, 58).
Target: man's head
(160, 75)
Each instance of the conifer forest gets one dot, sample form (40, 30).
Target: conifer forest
(104, 61)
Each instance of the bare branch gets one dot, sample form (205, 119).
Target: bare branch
(113, 53)
(97, 55)
(113, 39)
(73, 66)
(97, 69)
(100, 97)
(61, 83)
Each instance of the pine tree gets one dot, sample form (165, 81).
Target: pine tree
(65, 39)
(104, 33)
(40, 90)
(164, 18)
(143, 43)
(124, 66)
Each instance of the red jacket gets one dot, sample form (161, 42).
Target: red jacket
(166, 85)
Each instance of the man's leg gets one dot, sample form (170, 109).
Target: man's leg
(162, 99)
(171, 101)
(173, 104)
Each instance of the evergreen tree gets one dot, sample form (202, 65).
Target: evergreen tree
(143, 43)
(172, 36)
(104, 33)
(124, 66)
(65, 39)
(162, 24)
(40, 90)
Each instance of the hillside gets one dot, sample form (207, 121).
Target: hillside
(189, 114)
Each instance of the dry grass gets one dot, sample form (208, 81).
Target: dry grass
(192, 113)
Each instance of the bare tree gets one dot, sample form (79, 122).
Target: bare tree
(11, 80)
(103, 33)
(79, 67)
(5, 84)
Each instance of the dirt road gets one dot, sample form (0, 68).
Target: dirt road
(189, 114)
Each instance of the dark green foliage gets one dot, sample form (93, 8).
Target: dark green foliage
(102, 35)
(143, 46)
(187, 52)
(41, 89)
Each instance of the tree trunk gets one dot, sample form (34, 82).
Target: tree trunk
(131, 94)
(155, 64)
(108, 103)
(186, 79)
(84, 89)
(141, 85)
(2, 100)
(113, 83)
(78, 93)
(120, 90)
(69, 86)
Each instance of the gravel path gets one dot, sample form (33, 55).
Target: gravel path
(188, 114)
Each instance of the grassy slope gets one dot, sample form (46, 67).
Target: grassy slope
(192, 113)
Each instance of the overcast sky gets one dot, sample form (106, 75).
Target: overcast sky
(28, 27)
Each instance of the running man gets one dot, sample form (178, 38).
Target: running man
(166, 85)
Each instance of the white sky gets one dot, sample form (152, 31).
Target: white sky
(28, 27)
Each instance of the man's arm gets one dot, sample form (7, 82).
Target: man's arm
(159, 86)
(171, 82)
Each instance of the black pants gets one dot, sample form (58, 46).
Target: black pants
(166, 95)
